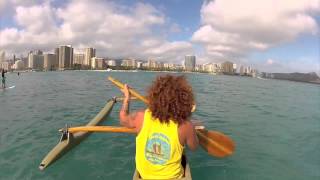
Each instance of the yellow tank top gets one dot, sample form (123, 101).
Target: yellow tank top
(158, 149)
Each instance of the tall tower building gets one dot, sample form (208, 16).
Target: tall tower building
(50, 62)
(65, 57)
(189, 62)
(227, 67)
(56, 53)
(35, 61)
(89, 53)
(78, 59)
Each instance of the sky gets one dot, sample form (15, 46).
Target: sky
(270, 35)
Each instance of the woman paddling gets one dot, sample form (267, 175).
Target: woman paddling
(163, 128)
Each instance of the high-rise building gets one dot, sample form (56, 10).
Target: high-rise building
(50, 62)
(168, 65)
(234, 68)
(100, 63)
(89, 53)
(247, 71)
(56, 52)
(97, 63)
(25, 61)
(152, 63)
(129, 63)
(212, 68)
(112, 63)
(139, 64)
(65, 57)
(189, 62)
(227, 67)
(35, 61)
(241, 70)
(79, 59)
(37, 52)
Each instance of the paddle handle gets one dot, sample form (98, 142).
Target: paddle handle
(133, 92)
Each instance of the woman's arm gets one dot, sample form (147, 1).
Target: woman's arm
(127, 119)
(190, 136)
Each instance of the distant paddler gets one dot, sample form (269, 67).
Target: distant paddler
(163, 129)
(3, 82)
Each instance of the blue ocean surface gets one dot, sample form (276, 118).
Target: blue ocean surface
(275, 124)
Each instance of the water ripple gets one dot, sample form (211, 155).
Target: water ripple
(275, 125)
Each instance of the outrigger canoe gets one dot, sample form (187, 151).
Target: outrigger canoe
(68, 140)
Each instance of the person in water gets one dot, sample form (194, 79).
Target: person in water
(3, 79)
(163, 129)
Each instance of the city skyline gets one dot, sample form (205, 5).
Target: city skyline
(282, 39)
(64, 58)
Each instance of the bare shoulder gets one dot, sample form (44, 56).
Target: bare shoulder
(184, 130)
(186, 125)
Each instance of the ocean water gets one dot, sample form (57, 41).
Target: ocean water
(275, 124)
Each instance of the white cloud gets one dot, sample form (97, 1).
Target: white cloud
(233, 29)
(36, 19)
(116, 30)
(270, 62)
(7, 7)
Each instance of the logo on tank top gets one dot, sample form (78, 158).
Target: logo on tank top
(157, 150)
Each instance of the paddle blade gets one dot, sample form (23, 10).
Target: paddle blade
(216, 143)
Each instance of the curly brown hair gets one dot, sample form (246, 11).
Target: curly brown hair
(171, 98)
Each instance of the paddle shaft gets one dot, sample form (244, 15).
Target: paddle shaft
(112, 129)
(133, 92)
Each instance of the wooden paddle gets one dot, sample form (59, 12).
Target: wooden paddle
(122, 98)
(133, 92)
(215, 143)
(112, 129)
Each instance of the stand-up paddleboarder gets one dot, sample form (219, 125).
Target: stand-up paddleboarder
(3, 79)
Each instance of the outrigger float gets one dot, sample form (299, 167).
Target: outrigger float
(69, 140)
(214, 143)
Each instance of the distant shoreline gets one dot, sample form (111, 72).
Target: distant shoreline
(316, 81)
(296, 77)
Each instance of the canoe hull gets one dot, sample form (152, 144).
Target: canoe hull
(185, 164)
(68, 141)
